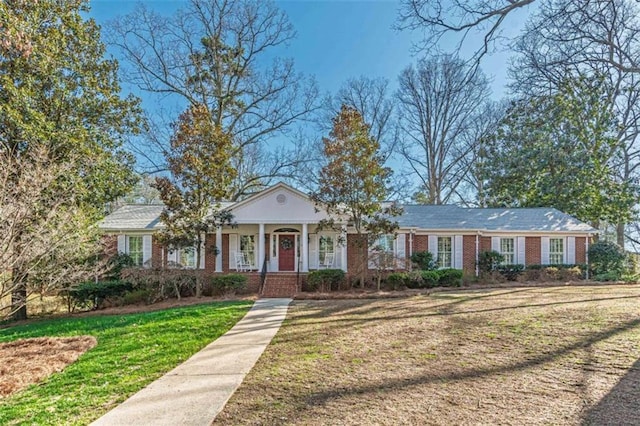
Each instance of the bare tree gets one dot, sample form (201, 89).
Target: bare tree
(214, 53)
(561, 41)
(46, 241)
(487, 18)
(437, 105)
(371, 97)
(482, 124)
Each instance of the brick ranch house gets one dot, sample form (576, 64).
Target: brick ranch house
(276, 229)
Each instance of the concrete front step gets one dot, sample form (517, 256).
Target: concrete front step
(282, 284)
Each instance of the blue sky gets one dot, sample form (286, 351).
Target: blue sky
(338, 40)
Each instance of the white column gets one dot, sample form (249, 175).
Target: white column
(343, 229)
(305, 247)
(219, 247)
(260, 243)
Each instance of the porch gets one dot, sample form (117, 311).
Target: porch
(285, 248)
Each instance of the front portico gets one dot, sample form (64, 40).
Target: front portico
(277, 230)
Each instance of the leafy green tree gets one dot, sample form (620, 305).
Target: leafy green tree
(202, 172)
(59, 98)
(557, 151)
(354, 184)
(606, 257)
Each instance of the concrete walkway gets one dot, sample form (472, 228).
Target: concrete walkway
(196, 391)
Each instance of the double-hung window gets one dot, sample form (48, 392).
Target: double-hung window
(445, 252)
(556, 251)
(326, 250)
(508, 250)
(134, 249)
(383, 248)
(248, 247)
(187, 257)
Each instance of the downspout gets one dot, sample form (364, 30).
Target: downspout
(586, 256)
(477, 253)
(410, 249)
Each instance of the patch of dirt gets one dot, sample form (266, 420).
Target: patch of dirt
(27, 361)
(536, 356)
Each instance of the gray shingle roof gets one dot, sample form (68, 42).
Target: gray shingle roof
(452, 217)
(133, 217)
(427, 217)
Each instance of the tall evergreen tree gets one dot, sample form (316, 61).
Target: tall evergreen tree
(60, 97)
(200, 164)
(354, 184)
(558, 151)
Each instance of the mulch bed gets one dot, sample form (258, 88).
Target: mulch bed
(28, 361)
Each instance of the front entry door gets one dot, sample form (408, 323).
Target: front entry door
(287, 252)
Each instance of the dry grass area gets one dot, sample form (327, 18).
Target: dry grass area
(554, 355)
(27, 361)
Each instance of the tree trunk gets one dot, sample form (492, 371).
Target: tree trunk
(364, 262)
(18, 296)
(620, 234)
(197, 271)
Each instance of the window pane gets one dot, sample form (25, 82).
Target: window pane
(556, 250)
(444, 252)
(247, 246)
(507, 250)
(325, 247)
(135, 249)
(187, 257)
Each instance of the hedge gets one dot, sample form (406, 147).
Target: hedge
(325, 279)
(94, 294)
(229, 283)
(425, 279)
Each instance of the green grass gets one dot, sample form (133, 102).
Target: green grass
(132, 351)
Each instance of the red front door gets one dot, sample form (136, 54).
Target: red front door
(287, 253)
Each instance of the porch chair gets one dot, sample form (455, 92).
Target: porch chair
(242, 265)
(327, 262)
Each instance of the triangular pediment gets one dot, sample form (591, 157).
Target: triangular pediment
(278, 204)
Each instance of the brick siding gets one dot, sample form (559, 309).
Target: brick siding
(581, 250)
(485, 244)
(533, 250)
(225, 252)
(353, 252)
(420, 243)
(469, 254)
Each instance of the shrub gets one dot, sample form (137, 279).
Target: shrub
(574, 273)
(117, 263)
(397, 280)
(325, 279)
(550, 273)
(135, 297)
(450, 277)
(430, 278)
(607, 276)
(424, 260)
(163, 283)
(606, 257)
(228, 284)
(510, 272)
(488, 261)
(94, 294)
(557, 272)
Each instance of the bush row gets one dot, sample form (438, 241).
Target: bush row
(151, 285)
(558, 272)
(325, 280)
(425, 279)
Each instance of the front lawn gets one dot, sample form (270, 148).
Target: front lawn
(554, 355)
(132, 351)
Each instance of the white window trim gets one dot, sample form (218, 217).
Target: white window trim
(451, 252)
